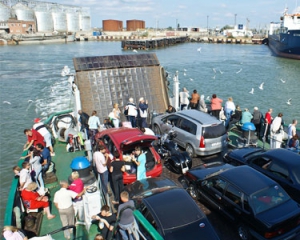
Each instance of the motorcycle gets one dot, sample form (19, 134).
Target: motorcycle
(179, 162)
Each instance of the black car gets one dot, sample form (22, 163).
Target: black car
(170, 210)
(281, 165)
(257, 205)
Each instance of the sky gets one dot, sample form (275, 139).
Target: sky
(186, 13)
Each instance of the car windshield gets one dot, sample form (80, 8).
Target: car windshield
(214, 131)
(268, 198)
(297, 174)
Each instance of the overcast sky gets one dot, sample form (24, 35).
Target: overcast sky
(188, 13)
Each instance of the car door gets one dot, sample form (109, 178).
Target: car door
(212, 191)
(186, 133)
(168, 122)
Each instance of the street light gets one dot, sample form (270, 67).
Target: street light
(207, 23)
(235, 19)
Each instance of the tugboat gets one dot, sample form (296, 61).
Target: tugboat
(284, 37)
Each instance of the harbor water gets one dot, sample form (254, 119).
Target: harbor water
(31, 84)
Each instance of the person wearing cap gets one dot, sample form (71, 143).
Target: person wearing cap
(41, 128)
(143, 112)
(246, 116)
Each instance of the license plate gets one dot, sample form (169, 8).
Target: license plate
(215, 144)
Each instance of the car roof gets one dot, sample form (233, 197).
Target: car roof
(121, 134)
(284, 156)
(173, 208)
(247, 179)
(198, 116)
(149, 186)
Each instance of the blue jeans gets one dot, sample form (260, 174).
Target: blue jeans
(132, 121)
(104, 181)
(123, 230)
(228, 115)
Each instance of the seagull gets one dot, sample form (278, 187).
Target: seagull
(221, 71)
(184, 74)
(252, 91)
(208, 97)
(199, 49)
(135, 51)
(283, 81)
(30, 100)
(261, 86)
(214, 70)
(184, 70)
(6, 102)
(191, 79)
(239, 71)
(214, 77)
(289, 102)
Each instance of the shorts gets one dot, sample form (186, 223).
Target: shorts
(47, 140)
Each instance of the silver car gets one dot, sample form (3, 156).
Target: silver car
(198, 132)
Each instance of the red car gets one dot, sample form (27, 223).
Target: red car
(124, 140)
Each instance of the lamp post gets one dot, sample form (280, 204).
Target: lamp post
(235, 19)
(207, 23)
(176, 27)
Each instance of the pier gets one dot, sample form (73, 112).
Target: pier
(153, 43)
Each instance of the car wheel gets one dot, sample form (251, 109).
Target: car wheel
(190, 150)
(244, 233)
(156, 130)
(193, 191)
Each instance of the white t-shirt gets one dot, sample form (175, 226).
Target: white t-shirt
(184, 98)
(63, 197)
(99, 160)
(25, 177)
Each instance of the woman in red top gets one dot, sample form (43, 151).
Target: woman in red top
(216, 106)
(33, 200)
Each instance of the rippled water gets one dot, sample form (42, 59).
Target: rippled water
(32, 72)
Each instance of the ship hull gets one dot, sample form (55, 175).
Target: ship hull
(286, 44)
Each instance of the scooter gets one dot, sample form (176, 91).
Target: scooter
(179, 162)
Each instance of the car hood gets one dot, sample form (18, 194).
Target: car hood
(192, 231)
(280, 215)
(140, 140)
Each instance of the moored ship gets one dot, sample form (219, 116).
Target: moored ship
(284, 37)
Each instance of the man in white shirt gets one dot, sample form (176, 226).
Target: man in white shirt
(63, 202)
(100, 158)
(25, 177)
(40, 127)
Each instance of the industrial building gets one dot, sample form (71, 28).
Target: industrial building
(112, 25)
(47, 16)
(133, 25)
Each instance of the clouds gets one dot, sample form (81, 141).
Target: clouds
(189, 13)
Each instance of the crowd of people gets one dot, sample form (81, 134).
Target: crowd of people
(266, 127)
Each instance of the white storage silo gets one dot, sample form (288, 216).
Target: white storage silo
(85, 22)
(73, 21)
(23, 12)
(44, 21)
(59, 21)
(4, 12)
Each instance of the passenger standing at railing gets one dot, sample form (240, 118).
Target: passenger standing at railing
(216, 106)
(229, 108)
(268, 121)
(184, 98)
(292, 129)
(256, 120)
